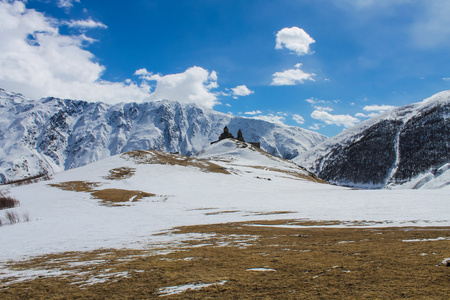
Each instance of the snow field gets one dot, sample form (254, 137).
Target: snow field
(74, 221)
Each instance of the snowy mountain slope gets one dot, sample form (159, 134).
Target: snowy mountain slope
(79, 209)
(52, 134)
(407, 147)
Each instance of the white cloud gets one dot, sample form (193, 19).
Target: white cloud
(323, 108)
(142, 72)
(316, 126)
(89, 24)
(255, 112)
(374, 110)
(446, 78)
(66, 3)
(297, 118)
(213, 76)
(294, 39)
(241, 90)
(193, 85)
(371, 115)
(277, 119)
(314, 101)
(38, 61)
(339, 120)
(291, 76)
(378, 108)
(361, 115)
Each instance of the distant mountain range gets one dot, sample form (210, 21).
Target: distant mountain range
(50, 134)
(407, 147)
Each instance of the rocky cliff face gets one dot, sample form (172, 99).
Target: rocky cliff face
(53, 134)
(408, 146)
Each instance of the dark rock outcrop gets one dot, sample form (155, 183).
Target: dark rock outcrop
(408, 145)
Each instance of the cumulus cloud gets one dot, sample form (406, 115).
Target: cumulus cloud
(241, 90)
(323, 108)
(378, 108)
(315, 126)
(66, 3)
(339, 120)
(361, 115)
(374, 110)
(314, 101)
(38, 61)
(298, 118)
(89, 24)
(277, 119)
(255, 112)
(292, 76)
(294, 39)
(142, 72)
(193, 85)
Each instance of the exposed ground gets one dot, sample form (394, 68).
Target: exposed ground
(107, 197)
(120, 173)
(173, 159)
(295, 174)
(248, 261)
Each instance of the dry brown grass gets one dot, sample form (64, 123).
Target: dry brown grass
(77, 186)
(114, 197)
(295, 174)
(309, 263)
(108, 197)
(268, 213)
(120, 173)
(8, 202)
(164, 158)
(221, 212)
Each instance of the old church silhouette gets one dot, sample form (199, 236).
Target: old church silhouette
(227, 135)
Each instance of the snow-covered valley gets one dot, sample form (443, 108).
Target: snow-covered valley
(229, 181)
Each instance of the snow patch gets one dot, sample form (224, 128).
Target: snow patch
(442, 238)
(261, 270)
(178, 289)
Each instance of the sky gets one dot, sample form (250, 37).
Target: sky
(323, 65)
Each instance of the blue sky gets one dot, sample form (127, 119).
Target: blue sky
(323, 65)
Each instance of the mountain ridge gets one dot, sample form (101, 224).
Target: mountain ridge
(52, 134)
(406, 146)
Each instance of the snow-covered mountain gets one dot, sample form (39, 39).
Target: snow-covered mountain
(52, 134)
(407, 147)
